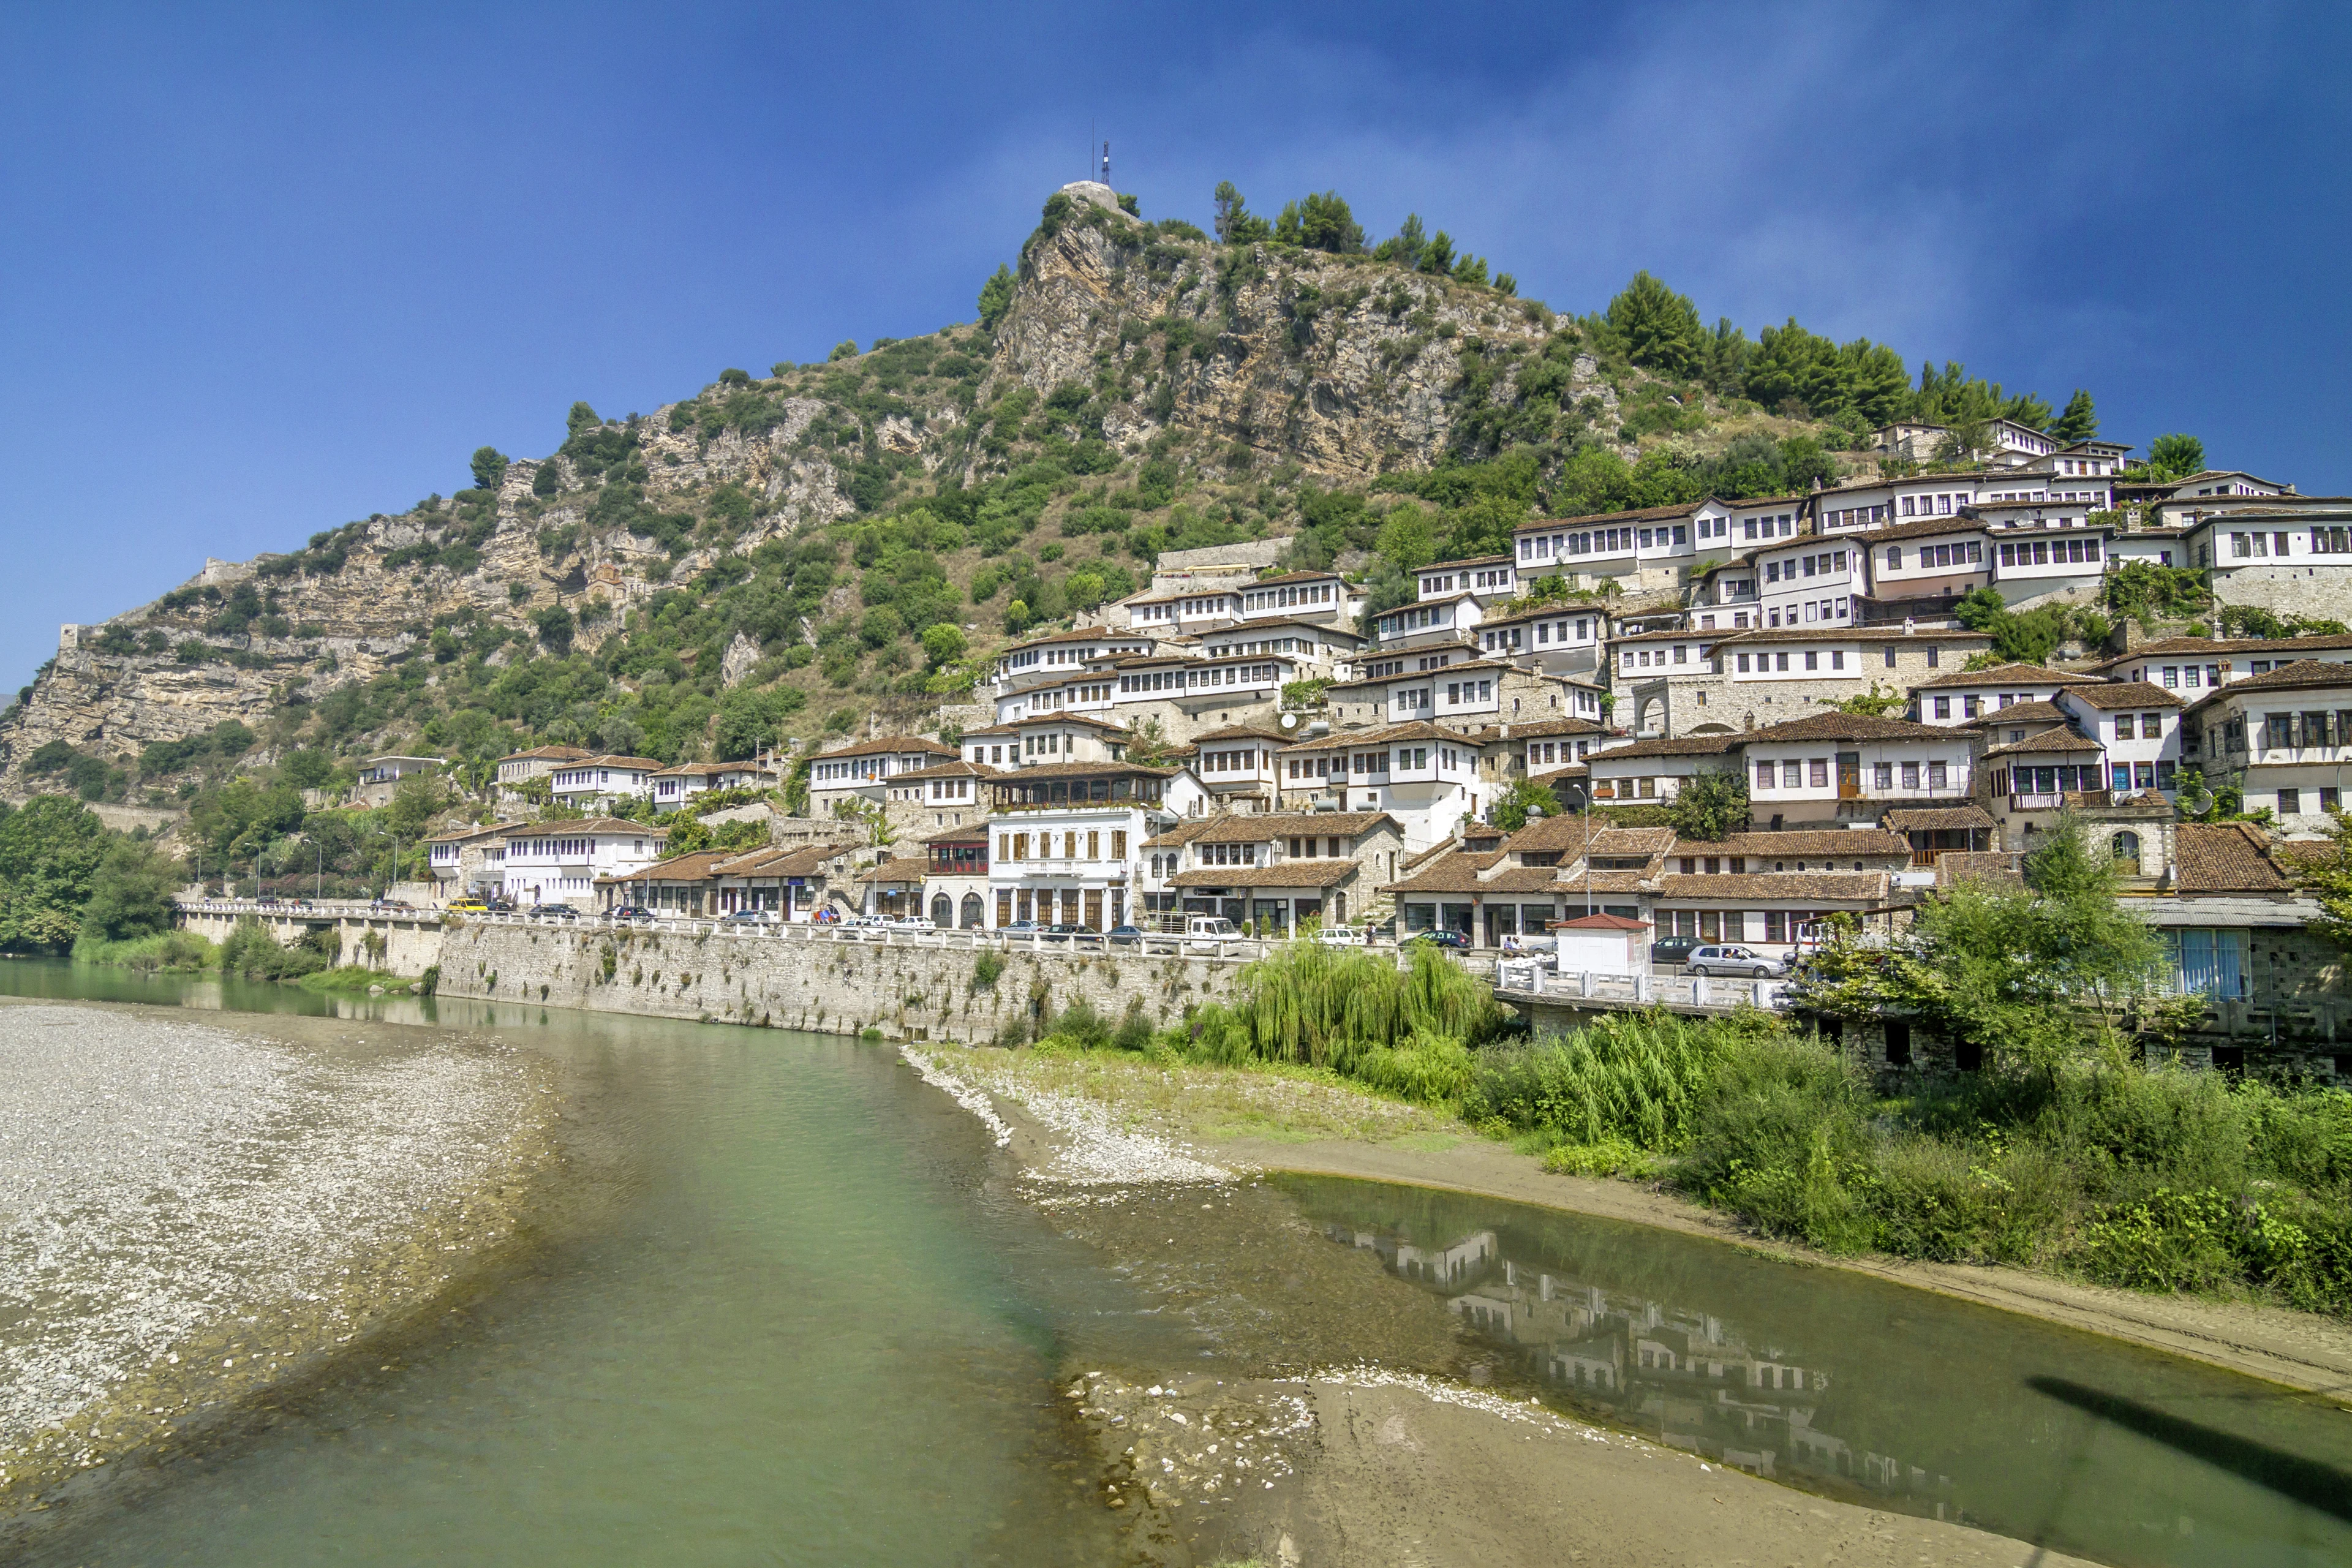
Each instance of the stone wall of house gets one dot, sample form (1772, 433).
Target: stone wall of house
(1706, 702)
(2287, 588)
(837, 987)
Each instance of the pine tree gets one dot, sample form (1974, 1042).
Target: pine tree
(2080, 422)
(1660, 328)
(995, 296)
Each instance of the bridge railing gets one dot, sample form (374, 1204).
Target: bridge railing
(1519, 978)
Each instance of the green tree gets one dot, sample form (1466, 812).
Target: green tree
(1409, 241)
(2174, 457)
(1522, 800)
(307, 768)
(995, 296)
(1407, 539)
(1236, 225)
(49, 851)
(415, 801)
(1659, 328)
(581, 418)
(2080, 422)
(131, 892)
(554, 626)
(1711, 804)
(490, 467)
(2327, 874)
(943, 643)
(1878, 703)
(1319, 223)
(845, 349)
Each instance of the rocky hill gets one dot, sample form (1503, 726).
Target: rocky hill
(782, 557)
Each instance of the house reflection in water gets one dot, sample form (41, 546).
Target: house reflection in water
(1684, 1378)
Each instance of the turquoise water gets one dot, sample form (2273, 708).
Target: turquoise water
(790, 1310)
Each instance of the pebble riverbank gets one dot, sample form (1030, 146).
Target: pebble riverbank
(189, 1212)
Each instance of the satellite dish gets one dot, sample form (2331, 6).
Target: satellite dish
(1289, 720)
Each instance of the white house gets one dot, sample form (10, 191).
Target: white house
(1957, 696)
(1808, 582)
(2137, 726)
(2201, 664)
(1073, 861)
(1427, 777)
(1652, 547)
(562, 862)
(1833, 767)
(1655, 771)
(674, 786)
(860, 772)
(2284, 738)
(2285, 560)
(468, 861)
(1489, 579)
(595, 784)
(519, 768)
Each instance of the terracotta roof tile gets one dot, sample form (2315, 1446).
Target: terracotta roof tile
(1288, 874)
(2141, 693)
(1819, 887)
(1937, 817)
(2003, 675)
(1836, 843)
(2225, 858)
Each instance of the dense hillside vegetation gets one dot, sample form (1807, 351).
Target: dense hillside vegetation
(777, 557)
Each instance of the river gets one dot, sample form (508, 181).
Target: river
(794, 1306)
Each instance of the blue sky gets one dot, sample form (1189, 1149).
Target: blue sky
(266, 269)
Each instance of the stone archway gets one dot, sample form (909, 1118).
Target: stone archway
(973, 912)
(942, 911)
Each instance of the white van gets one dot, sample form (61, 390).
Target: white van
(1210, 932)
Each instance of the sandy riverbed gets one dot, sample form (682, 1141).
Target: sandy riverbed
(1404, 1460)
(193, 1211)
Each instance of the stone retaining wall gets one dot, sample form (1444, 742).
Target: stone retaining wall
(837, 987)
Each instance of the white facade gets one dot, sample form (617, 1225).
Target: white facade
(1074, 865)
(2285, 739)
(590, 783)
(1811, 582)
(561, 862)
(1972, 694)
(2137, 727)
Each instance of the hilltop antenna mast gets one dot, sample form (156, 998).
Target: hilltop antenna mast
(1105, 166)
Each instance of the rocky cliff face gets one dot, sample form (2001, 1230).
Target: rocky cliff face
(1227, 359)
(1345, 366)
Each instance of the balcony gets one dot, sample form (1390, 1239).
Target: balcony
(2036, 802)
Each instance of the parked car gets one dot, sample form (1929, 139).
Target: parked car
(1438, 936)
(500, 906)
(636, 912)
(468, 907)
(748, 918)
(1022, 927)
(1210, 932)
(1125, 936)
(909, 922)
(1063, 932)
(1712, 958)
(1673, 949)
(1339, 936)
(554, 912)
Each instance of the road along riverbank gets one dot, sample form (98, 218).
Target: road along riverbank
(192, 1213)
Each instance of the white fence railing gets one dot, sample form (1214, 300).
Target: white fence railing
(1530, 979)
(1153, 944)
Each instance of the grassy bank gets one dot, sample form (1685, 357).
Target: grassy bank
(251, 953)
(2086, 1164)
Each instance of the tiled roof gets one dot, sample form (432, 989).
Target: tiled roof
(2048, 741)
(1567, 833)
(1937, 816)
(2002, 675)
(607, 824)
(1942, 635)
(2201, 646)
(1465, 560)
(1300, 577)
(1814, 887)
(1453, 872)
(712, 769)
(901, 871)
(2000, 868)
(2225, 858)
(1642, 514)
(1803, 843)
(1240, 733)
(1599, 922)
(976, 833)
(484, 830)
(1689, 746)
(605, 760)
(2301, 673)
(1918, 528)
(1843, 727)
(2037, 711)
(693, 866)
(1251, 828)
(553, 753)
(882, 744)
(2105, 694)
(1075, 633)
(957, 770)
(1081, 770)
(1544, 728)
(1288, 874)
(1386, 734)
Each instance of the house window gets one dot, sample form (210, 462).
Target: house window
(1889, 651)
(1883, 777)
(1936, 778)
(1818, 768)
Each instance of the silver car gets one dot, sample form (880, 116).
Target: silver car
(1728, 959)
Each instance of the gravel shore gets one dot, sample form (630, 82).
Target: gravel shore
(190, 1210)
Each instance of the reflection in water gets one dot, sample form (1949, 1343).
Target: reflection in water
(1865, 1390)
(1685, 1378)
